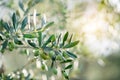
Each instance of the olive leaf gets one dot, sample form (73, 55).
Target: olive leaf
(68, 67)
(71, 54)
(29, 35)
(21, 6)
(24, 23)
(32, 44)
(72, 44)
(40, 38)
(65, 37)
(14, 20)
(6, 26)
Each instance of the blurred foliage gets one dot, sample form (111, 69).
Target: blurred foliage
(51, 51)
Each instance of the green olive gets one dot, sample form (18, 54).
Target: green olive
(52, 53)
(54, 71)
(44, 56)
(43, 67)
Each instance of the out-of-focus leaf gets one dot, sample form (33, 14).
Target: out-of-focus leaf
(72, 44)
(58, 40)
(32, 43)
(24, 23)
(50, 39)
(40, 38)
(6, 26)
(21, 5)
(49, 24)
(4, 45)
(70, 39)
(66, 61)
(68, 67)
(1, 38)
(65, 37)
(71, 54)
(30, 3)
(18, 42)
(29, 35)
(43, 20)
(37, 14)
(14, 20)
(65, 75)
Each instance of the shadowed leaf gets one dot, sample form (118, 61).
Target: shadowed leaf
(65, 37)
(40, 38)
(71, 54)
(68, 67)
(14, 20)
(24, 23)
(21, 5)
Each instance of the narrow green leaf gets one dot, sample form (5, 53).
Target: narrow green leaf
(6, 26)
(16, 41)
(50, 39)
(65, 37)
(59, 38)
(72, 44)
(40, 38)
(68, 67)
(32, 43)
(29, 35)
(21, 5)
(14, 20)
(70, 39)
(4, 45)
(24, 23)
(66, 61)
(47, 25)
(71, 54)
(65, 75)
(1, 39)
